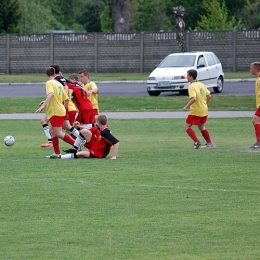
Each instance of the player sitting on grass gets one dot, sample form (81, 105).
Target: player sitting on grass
(100, 148)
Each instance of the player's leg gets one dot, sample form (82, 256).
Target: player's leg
(206, 135)
(187, 126)
(46, 129)
(85, 134)
(82, 154)
(256, 124)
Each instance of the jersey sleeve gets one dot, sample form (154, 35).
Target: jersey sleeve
(107, 135)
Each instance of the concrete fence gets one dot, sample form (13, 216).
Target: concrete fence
(132, 52)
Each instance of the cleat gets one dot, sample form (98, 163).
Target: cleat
(197, 145)
(254, 146)
(54, 156)
(208, 146)
(70, 150)
(47, 144)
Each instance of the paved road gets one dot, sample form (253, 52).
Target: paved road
(119, 89)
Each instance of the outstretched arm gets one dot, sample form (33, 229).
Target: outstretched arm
(116, 146)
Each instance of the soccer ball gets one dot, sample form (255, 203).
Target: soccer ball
(9, 140)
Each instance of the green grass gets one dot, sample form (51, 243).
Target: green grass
(160, 199)
(121, 104)
(34, 78)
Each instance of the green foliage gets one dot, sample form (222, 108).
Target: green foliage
(160, 199)
(42, 22)
(217, 17)
(151, 16)
(90, 16)
(251, 15)
(10, 16)
(106, 20)
(138, 104)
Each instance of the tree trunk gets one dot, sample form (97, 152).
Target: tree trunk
(120, 16)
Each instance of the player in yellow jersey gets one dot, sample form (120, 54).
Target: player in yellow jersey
(255, 70)
(91, 89)
(55, 111)
(199, 97)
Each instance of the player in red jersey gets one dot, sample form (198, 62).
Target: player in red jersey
(86, 115)
(102, 146)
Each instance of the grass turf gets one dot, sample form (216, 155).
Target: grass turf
(139, 104)
(160, 199)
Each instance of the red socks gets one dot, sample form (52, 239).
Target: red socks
(257, 132)
(205, 134)
(192, 134)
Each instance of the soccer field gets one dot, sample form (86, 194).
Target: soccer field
(160, 199)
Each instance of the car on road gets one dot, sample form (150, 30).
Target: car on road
(171, 74)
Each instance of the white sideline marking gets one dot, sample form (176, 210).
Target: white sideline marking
(134, 185)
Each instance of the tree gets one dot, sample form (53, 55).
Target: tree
(120, 16)
(42, 22)
(106, 20)
(10, 16)
(151, 16)
(217, 17)
(90, 17)
(251, 15)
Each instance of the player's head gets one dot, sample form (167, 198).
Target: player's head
(74, 77)
(102, 119)
(84, 76)
(56, 68)
(50, 72)
(192, 73)
(255, 68)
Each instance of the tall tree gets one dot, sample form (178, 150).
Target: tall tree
(251, 15)
(120, 16)
(216, 17)
(44, 21)
(10, 16)
(152, 16)
(90, 16)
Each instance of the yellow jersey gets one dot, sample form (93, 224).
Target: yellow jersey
(200, 92)
(257, 91)
(93, 97)
(55, 107)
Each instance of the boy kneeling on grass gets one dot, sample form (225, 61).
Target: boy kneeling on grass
(100, 148)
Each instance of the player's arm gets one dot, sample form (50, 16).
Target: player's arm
(191, 101)
(208, 98)
(45, 102)
(116, 146)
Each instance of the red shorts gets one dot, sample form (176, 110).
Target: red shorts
(196, 120)
(86, 116)
(91, 142)
(257, 112)
(57, 121)
(72, 116)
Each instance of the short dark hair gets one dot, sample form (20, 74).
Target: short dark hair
(85, 72)
(50, 71)
(102, 119)
(256, 65)
(192, 73)
(56, 68)
(74, 76)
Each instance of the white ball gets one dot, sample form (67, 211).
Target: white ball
(9, 140)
